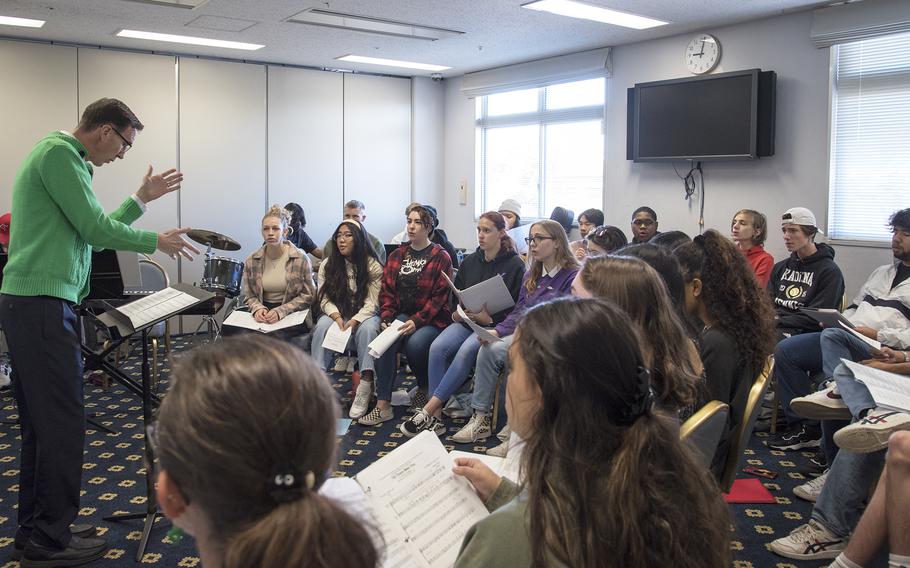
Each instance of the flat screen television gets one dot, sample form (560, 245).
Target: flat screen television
(728, 116)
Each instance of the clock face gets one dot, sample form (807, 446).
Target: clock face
(702, 53)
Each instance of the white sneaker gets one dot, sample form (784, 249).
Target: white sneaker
(809, 542)
(825, 404)
(477, 428)
(362, 398)
(341, 364)
(872, 432)
(376, 417)
(810, 490)
(349, 368)
(5, 372)
(499, 451)
(505, 433)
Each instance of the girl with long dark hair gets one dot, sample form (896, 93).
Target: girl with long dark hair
(348, 297)
(606, 480)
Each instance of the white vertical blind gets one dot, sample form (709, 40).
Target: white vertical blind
(870, 142)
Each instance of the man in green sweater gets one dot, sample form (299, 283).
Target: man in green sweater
(56, 222)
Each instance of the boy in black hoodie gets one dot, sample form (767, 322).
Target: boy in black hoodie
(808, 278)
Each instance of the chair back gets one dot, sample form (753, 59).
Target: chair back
(740, 436)
(154, 278)
(704, 429)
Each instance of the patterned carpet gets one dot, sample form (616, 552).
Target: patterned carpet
(113, 479)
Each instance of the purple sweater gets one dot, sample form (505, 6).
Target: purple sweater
(547, 289)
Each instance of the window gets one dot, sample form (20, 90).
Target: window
(543, 147)
(870, 137)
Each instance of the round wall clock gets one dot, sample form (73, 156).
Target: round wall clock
(702, 53)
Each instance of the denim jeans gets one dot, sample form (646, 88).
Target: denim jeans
(417, 349)
(854, 393)
(452, 356)
(846, 491)
(491, 360)
(360, 339)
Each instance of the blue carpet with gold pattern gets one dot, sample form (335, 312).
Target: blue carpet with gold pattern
(113, 477)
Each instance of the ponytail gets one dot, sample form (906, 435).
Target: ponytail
(505, 241)
(310, 531)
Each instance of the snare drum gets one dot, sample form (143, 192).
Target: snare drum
(222, 275)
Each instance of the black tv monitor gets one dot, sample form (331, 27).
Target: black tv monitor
(728, 116)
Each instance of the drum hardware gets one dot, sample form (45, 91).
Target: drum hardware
(213, 239)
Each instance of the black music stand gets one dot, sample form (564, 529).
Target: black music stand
(124, 326)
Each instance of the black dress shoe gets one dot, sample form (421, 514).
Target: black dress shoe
(84, 530)
(79, 551)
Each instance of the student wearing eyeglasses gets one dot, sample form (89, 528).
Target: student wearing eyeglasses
(553, 267)
(644, 225)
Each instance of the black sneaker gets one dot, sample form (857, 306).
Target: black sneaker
(818, 464)
(422, 421)
(802, 436)
(79, 551)
(84, 530)
(419, 401)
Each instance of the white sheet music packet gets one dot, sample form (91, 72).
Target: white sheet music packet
(492, 292)
(888, 390)
(149, 310)
(422, 509)
(244, 319)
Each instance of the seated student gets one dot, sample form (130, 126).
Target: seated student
(878, 311)
(453, 353)
(414, 291)
(245, 439)
(356, 211)
(670, 240)
(587, 221)
(564, 217)
(298, 236)
(644, 225)
(886, 522)
(604, 240)
(738, 333)
(843, 496)
(277, 278)
(402, 237)
(808, 278)
(348, 297)
(661, 260)
(749, 231)
(439, 237)
(5, 220)
(607, 481)
(511, 210)
(639, 290)
(550, 276)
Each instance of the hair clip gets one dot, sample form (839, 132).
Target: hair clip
(287, 483)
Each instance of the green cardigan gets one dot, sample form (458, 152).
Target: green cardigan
(501, 540)
(57, 220)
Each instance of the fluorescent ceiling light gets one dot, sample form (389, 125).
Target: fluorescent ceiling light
(574, 9)
(23, 22)
(330, 19)
(393, 63)
(135, 34)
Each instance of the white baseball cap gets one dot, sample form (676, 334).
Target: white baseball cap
(798, 216)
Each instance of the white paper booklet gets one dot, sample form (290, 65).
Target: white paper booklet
(492, 292)
(246, 320)
(481, 332)
(335, 339)
(422, 509)
(873, 343)
(888, 390)
(385, 339)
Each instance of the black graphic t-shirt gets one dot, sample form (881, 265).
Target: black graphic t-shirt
(412, 264)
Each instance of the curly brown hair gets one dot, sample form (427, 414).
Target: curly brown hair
(732, 296)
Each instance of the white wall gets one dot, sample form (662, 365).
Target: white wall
(427, 147)
(795, 175)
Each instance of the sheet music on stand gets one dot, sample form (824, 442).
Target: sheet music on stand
(149, 310)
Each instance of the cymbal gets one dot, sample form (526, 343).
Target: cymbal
(217, 240)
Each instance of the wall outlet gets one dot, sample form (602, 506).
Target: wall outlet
(463, 192)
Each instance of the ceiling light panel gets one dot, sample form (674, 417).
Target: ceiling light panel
(329, 19)
(188, 4)
(190, 40)
(392, 63)
(584, 11)
(21, 22)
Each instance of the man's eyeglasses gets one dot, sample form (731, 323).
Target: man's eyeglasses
(643, 222)
(538, 239)
(126, 143)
